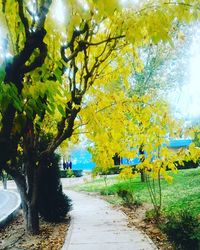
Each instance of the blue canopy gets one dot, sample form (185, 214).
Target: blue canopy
(177, 143)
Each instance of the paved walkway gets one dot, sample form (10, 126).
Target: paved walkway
(69, 182)
(9, 204)
(95, 225)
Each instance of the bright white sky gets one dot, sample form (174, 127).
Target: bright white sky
(187, 100)
(129, 2)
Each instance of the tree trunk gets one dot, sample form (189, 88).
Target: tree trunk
(142, 172)
(29, 205)
(31, 218)
(30, 214)
(143, 177)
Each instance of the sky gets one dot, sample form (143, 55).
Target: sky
(187, 99)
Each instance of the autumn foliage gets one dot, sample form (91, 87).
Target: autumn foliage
(55, 76)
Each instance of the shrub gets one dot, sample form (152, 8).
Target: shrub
(107, 192)
(62, 173)
(53, 204)
(187, 165)
(150, 214)
(107, 171)
(183, 229)
(78, 173)
(114, 170)
(128, 198)
(69, 173)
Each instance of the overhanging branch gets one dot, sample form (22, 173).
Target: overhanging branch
(39, 60)
(22, 17)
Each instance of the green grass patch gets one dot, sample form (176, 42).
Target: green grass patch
(96, 185)
(183, 193)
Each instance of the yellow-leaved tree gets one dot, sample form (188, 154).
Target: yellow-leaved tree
(49, 65)
(135, 127)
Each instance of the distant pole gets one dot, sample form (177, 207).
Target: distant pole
(4, 179)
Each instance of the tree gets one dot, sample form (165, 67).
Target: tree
(126, 127)
(161, 69)
(48, 68)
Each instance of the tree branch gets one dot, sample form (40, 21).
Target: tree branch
(23, 18)
(66, 133)
(43, 11)
(104, 41)
(39, 60)
(75, 34)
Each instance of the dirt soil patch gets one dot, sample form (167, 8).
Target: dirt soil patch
(51, 237)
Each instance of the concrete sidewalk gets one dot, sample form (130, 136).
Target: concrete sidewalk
(95, 225)
(9, 205)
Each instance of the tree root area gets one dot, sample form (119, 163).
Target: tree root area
(51, 236)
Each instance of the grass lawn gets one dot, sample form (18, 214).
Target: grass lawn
(183, 193)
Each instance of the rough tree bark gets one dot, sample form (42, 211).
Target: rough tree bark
(14, 73)
(28, 196)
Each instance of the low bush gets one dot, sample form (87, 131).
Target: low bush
(107, 192)
(116, 170)
(70, 173)
(62, 173)
(187, 165)
(150, 215)
(183, 230)
(78, 173)
(53, 204)
(128, 198)
(107, 171)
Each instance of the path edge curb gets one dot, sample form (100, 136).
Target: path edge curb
(69, 233)
(8, 217)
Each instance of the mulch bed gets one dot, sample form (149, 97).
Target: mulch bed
(51, 237)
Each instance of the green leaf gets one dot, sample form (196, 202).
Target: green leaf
(61, 110)
(2, 73)
(58, 74)
(17, 104)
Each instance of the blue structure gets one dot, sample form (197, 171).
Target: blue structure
(173, 144)
(125, 161)
(82, 159)
(180, 143)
